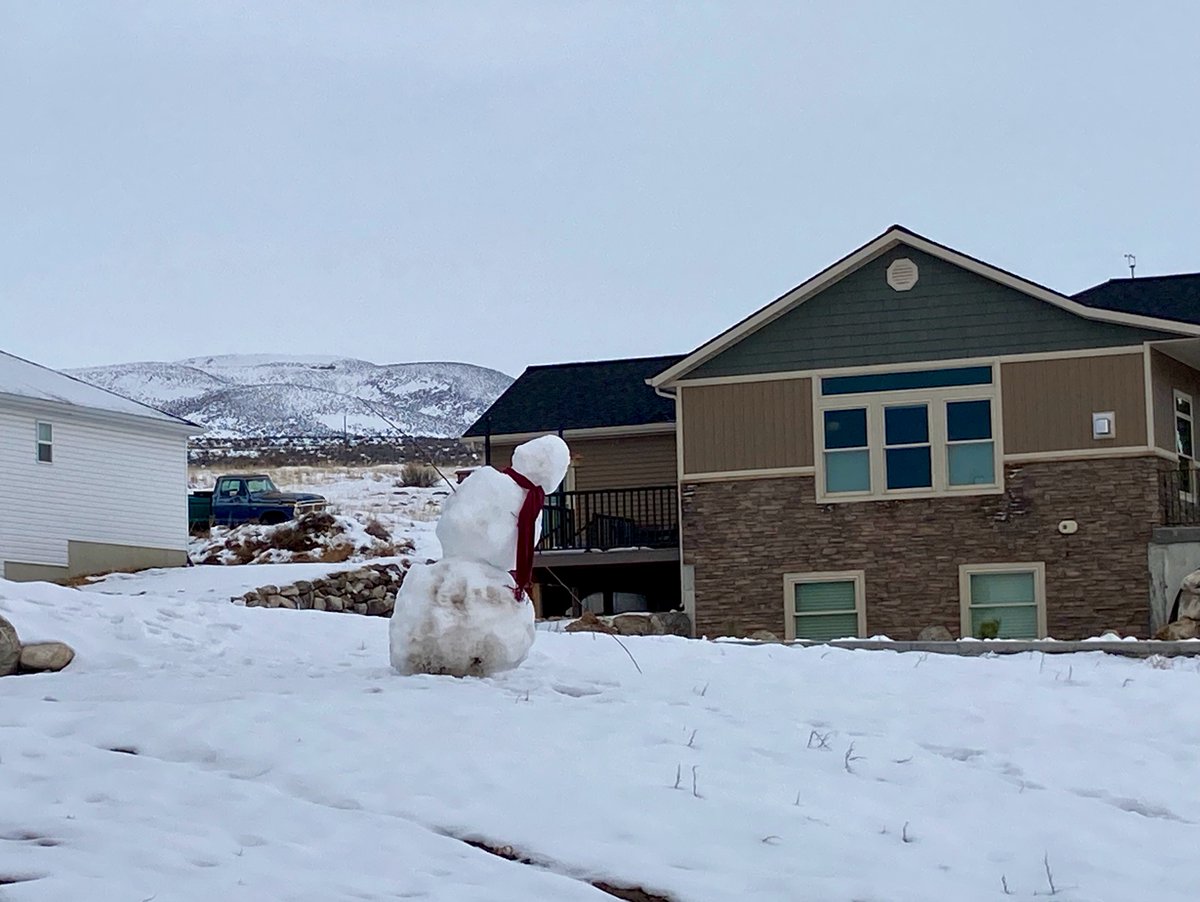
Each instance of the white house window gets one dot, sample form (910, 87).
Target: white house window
(1184, 444)
(45, 443)
(1003, 601)
(908, 433)
(824, 606)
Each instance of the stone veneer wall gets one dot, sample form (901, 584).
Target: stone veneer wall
(743, 536)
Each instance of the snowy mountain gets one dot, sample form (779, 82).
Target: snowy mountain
(271, 395)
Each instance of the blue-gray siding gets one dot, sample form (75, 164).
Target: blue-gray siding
(950, 313)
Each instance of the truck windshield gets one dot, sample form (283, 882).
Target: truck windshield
(260, 484)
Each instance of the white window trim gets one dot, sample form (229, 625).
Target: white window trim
(791, 580)
(1176, 395)
(875, 402)
(964, 590)
(37, 442)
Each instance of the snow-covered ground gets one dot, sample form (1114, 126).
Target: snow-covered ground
(197, 750)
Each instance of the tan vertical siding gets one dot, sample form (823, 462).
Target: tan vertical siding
(619, 462)
(1169, 374)
(1048, 404)
(627, 462)
(747, 426)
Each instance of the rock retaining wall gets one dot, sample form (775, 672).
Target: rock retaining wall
(369, 590)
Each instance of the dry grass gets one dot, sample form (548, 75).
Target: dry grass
(418, 475)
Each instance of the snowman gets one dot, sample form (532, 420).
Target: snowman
(469, 614)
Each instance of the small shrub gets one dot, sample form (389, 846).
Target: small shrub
(418, 475)
(989, 629)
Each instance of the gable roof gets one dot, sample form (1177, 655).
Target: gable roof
(881, 244)
(1174, 297)
(22, 378)
(591, 395)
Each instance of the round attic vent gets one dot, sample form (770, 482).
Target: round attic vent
(902, 274)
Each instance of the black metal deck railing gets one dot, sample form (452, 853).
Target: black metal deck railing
(1178, 489)
(611, 518)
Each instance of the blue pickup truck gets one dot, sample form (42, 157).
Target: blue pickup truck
(249, 498)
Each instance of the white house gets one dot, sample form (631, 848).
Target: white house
(90, 481)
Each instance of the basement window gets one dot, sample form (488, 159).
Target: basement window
(45, 443)
(1003, 601)
(824, 606)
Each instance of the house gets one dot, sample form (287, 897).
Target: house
(914, 438)
(611, 534)
(89, 481)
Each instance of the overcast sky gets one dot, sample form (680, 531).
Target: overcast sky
(518, 183)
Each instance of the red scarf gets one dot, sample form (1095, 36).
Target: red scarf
(535, 499)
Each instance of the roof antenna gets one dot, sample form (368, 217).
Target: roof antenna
(1132, 261)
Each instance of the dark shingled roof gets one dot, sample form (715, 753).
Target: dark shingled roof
(580, 396)
(1166, 297)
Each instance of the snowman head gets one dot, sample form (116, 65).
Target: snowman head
(543, 460)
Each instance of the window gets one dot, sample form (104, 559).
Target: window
(1003, 601)
(917, 434)
(45, 443)
(847, 460)
(970, 451)
(1184, 444)
(906, 447)
(906, 380)
(823, 606)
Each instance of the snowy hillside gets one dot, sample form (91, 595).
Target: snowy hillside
(268, 395)
(196, 750)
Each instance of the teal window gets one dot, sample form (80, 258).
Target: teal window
(826, 609)
(906, 447)
(907, 381)
(45, 443)
(847, 458)
(1003, 604)
(970, 450)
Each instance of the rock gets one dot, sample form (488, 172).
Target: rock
(304, 586)
(588, 623)
(303, 602)
(318, 603)
(334, 603)
(676, 623)
(268, 591)
(935, 634)
(10, 648)
(289, 592)
(46, 657)
(360, 607)
(634, 625)
(379, 591)
(1184, 628)
(378, 607)
(763, 636)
